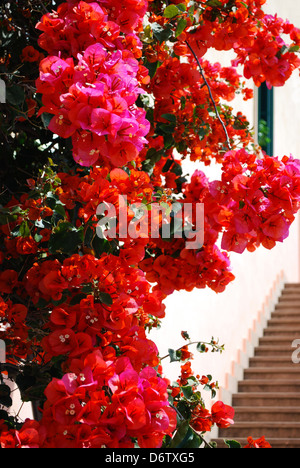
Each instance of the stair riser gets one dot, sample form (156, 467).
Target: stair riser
(289, 298)
(268, 387)
(280, 342)
(273, 376)
(274, 353)
(292, 334)
(274, 363)
(288, 305)
(294, 297)
(266, 416)
(286, 314)
(284, 322)
(277, 432)
(265, 402)
(291, 292)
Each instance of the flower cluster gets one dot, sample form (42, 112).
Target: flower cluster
(254, 203)
(90, 81)
(100, 403)
(255, 37)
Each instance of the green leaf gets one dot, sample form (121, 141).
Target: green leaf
(166, 128)
(15, 95)
(171, 11)
(232, 443)
(152, 68)
(169, 117)
(192, 440)
(181, 25)
(214, 3)
(24, 230)
(187, 392)
(180, 434)
(105, 298)
(46, 119)
(77, 299)
(38, 238)
(66, 239)
(184, 409)
(181, 7)
(201, 347)
(186, 437)
(173, 355)
(160, 33)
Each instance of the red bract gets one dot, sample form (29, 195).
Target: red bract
(93, 93)
(222, 415)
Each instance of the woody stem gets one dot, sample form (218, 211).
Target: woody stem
(192, 343)
(210, 94)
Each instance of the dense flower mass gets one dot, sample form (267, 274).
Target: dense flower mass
(125, 94)
(90, 82)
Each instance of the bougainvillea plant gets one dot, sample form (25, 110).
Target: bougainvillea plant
(104, 102)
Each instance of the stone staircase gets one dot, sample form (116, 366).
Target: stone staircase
(268, 399)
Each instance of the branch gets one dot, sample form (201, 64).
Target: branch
(215, 346)
(210, 94)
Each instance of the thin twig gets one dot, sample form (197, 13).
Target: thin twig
(210, 94)
(192, 343)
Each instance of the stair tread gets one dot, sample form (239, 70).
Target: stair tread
(270, 358)
(267, 409)
(266, 395)
(274, 370)
(263, 424)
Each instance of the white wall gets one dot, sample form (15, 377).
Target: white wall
(230, 315)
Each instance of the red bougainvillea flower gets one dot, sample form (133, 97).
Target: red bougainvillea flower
(258, 443)
(221, 414)
(8, 280)
(30, 54)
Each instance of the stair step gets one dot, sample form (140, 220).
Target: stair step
(274, 351)
(275, 443)
(255, 399)
(284, 321)
(289, 297)
(275, 413)
(272, 361)
(264, 385)
(280, 340)
(293, 332)
(290, 293)
(286, 312)
(291, 285)
(262, 428)
(273, 374)
(288, 305)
